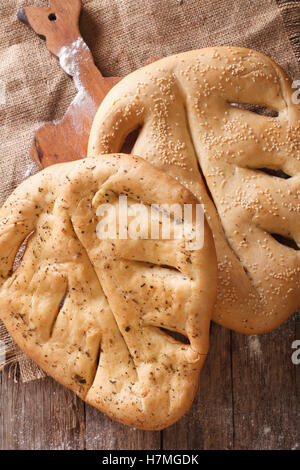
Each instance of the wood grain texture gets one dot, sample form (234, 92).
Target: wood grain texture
(247, 399)
(40, 415)
(208, 424)
(265, 390)
(102, 433)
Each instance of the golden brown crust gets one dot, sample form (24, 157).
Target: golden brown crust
(90, 311)
(186, 108)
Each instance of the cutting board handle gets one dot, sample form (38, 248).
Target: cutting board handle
(58, 24)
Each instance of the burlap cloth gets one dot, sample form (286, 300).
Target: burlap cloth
(123, 35)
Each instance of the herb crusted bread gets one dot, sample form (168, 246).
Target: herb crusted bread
(96, 314)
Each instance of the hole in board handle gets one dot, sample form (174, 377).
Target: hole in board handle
(52, 17)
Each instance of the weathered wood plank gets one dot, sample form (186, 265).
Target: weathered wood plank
(208, 424)
(39, 415)
(258, 397)
(264, 390)
(103, 433)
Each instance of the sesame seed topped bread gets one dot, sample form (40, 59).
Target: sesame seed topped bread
(97, 314)
(222, 121)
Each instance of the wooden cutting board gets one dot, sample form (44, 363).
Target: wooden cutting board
(59, 25)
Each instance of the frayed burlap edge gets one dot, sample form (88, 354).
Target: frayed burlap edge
(13, 357)
(290, 11)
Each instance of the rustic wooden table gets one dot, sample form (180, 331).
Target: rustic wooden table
(247, 399)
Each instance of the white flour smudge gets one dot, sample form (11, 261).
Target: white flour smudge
(31, 169)
(68, 59)
(254, 345)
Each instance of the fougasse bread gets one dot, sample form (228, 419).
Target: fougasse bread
(97, 314)
(225, 122)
